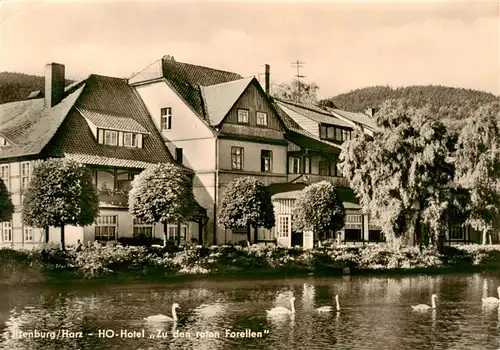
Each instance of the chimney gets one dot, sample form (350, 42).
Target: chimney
(54, 84)
(370, 111)
(267, 79)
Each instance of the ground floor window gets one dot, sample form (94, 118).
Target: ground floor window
(457, 233)
(106, 228)
(142, 229)
(353, 227)
(28, 233)
(173, 233)
(375, 233)
(6, 231)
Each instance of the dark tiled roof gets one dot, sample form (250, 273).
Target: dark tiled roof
(186, 79)
(111, 96)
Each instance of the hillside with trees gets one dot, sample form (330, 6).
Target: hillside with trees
(18, 86)
(462, 101)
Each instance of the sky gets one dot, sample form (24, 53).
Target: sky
(344, 45)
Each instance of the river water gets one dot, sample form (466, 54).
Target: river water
(375, 313)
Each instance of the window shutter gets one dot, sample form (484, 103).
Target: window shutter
(100, 136)
(139, 140)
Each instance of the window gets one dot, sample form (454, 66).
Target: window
(323, 168)
(110, 137)
(237, 158)
(346, 134)
(295, 165)
(173, 234)
(6, 231)
(262, 118)
(106, 228)
(129, 139)
(25, 175)
(330, 133)
(178, 155)
(5, 175)
(166, 118)
(353, 227)
(142, 229)
(334, 133)
(265, 160)
(28, 233)
(243, 116)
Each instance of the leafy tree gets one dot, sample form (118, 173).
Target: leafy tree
(403, 174)
(6, 206)
(298, 91)
(61, 192)
(162, 193)
(246, 203)
(319, 209)
(478, 168)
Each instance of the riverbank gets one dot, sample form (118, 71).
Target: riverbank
(126, 263)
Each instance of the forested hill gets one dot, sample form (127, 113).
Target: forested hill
(18, 86)
(459, 99)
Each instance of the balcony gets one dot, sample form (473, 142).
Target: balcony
(116, 198)
(313, 178)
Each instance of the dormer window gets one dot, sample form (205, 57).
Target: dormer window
(3, 142)
(334, 133)
(110, 137)
(115, 130)
(242, 116)
(129, 139)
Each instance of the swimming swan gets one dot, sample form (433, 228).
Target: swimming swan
(280, 310)
(425, 307)
(492, 300)
(330, 308)
(164, 318)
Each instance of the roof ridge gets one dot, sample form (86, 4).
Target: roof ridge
(228, 82)
(301, 105)
(199, 66)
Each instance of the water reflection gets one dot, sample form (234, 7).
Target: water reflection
(375, 313)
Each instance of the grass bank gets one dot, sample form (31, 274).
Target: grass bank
(126, 263)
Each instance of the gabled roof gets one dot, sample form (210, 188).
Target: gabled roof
(62, 130)
(313, 112)
(220, 98)
(111, 97)
(186, 80)
(29, 126)
(113, 122)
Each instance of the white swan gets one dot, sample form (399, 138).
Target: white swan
(164, 318)
(492, 300)
(330, 308)
(425, 307)
(280, 310)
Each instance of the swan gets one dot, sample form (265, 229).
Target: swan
(330, 308)
(280, 310)
(425, 307)
(164, 318)
(492, 300)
